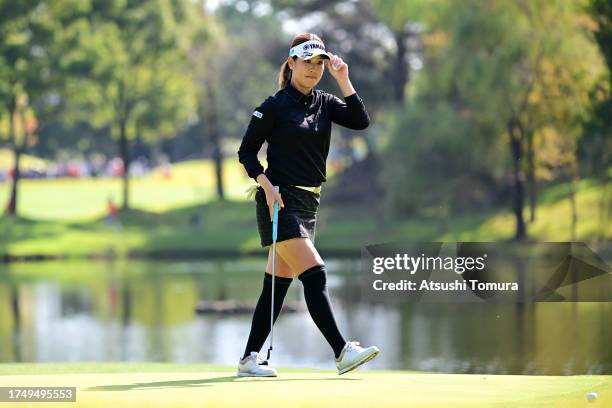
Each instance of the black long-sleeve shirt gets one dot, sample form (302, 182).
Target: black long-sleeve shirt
(297, 128)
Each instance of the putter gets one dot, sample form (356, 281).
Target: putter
(274, 235)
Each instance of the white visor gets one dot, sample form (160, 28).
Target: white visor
(309, 49)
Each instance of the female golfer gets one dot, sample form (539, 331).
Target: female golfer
(296, 123)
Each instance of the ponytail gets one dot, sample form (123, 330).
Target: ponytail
(284, 75)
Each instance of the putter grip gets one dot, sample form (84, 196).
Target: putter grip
(275, 219)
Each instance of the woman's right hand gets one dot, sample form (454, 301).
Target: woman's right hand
(273, 196)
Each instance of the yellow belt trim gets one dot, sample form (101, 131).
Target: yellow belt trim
(252, 189)
(312, 189)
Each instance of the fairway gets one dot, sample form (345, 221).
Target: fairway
(71, 199)
(175, 385)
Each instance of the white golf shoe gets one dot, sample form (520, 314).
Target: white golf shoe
(250, 367)
(353, 355)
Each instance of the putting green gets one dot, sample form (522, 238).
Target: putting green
(173, 385)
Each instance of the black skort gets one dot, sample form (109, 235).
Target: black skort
(297, 219)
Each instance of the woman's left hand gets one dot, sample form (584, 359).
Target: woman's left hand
(342, 72)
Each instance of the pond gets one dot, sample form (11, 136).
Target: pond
(132, 310)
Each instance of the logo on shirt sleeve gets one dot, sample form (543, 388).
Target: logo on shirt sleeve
(258, 114)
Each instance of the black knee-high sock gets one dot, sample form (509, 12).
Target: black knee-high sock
(319, 306)
(260, 326)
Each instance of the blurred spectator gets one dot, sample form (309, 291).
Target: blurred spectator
(112, 213)
(139, 167)
(166, 170)
(116, 167)
(94, 166)
(97, 163)
(73, 170)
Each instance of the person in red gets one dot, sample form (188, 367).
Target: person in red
(112, 216)
(296, 122)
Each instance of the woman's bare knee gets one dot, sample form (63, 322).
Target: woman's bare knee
(299, 254)
(282, 269)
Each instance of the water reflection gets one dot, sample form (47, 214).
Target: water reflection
(144, 311)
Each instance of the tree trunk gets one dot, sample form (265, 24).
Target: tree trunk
(11, 207)
(516, 133)
(605, 207)
(531, 179)
(12, 204)
(212, 121)
(125, 157)
(400, 74)
(16, 312)
(15, 306)
(572, 196)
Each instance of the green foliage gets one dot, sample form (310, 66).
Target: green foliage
(595, 148)
(32, 36)
(430, 141)
(488, 63)
(601, 10)
(396, 14)
(233, 66)
(135, 68)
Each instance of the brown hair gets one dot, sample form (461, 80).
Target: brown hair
(284, 75)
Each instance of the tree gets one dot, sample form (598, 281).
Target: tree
(207, 73)
(469, 83)
(595, 145)
(505, 72)
(406, 20)
(133, 54)
(353, 30)
(234, 70)
(30, 49)
(563, 67)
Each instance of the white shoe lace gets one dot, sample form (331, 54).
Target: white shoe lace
(352, 346)
(250, 357)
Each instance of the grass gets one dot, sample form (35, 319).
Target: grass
(66, 217)
(174, 385)
(85, 199)
(231, 228)
(552, 218)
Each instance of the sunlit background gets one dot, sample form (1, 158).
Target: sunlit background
(123, 204)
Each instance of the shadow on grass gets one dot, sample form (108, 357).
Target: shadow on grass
(16, 229)
(202, 382)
